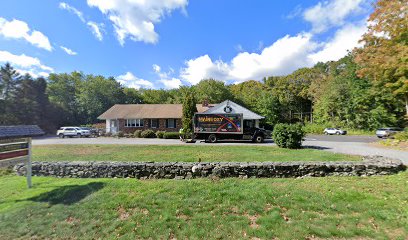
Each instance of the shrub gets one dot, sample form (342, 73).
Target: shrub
(160, 134)
(402, 136)
(148, 134)
(288, 135)
(314, 128)
(137, 133)
(171, 135)
(120, 134)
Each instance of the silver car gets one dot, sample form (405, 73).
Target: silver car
(337, 131)
(388, 132)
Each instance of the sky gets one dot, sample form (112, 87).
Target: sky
(162, 44)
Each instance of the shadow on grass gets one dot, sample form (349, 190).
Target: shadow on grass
(315, 147)
(68, 195)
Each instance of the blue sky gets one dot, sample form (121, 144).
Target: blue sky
(167, 43)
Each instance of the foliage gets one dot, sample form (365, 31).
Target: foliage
(137, 134)
(248, 93)
(171, 135)
(288, 135)
(189, 108)
(148, 134)
(314, 128)
(402, 136)
(212, 90)
(160, 134)
(120, 134)
(383, 59)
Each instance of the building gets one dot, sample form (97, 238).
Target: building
(165, 117)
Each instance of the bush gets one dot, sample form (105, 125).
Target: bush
(288, 135)
(137, 134)
(314, 128)
(402, 136)
(160, 134)
(148, 134)
(171, 135)
(120, 134)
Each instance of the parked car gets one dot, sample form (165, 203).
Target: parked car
(337, 131)
(73, 132)
(388, 132)
(94, 132)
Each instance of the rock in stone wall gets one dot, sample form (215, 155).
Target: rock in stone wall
(180, 170)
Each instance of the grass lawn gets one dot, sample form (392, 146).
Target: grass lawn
(156, 153)
(331, 207)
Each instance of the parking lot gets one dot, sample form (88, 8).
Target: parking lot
(355, 145)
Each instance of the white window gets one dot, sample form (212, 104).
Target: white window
(171, 123)
(134, 123)
(154, 123)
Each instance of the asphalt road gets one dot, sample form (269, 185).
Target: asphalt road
(354, 145)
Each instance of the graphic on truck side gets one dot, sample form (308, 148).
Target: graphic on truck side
(218, 123)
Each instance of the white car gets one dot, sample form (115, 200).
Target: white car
(337, 131)
(73, 132)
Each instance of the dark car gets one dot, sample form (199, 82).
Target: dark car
(388, 132)
(93, 131)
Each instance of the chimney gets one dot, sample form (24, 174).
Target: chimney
(205, 103)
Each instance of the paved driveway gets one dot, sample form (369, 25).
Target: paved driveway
(356, 145)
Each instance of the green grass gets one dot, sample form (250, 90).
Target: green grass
(331, 207)
(143, 153)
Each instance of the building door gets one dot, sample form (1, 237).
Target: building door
(114, 126)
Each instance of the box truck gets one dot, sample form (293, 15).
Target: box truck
(214, 127)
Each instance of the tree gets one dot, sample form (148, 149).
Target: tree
(10, 80)
(212, 90)
(248, 93)
(383, 59)
(189, 109)
(270, 107)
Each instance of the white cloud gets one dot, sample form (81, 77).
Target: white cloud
(171, 83)
(282, 57)
(25, 64)
(19, 30)
(344, 40)
(96, 29)
(136, 19)
(73, 10)
(68, 51)
(130, 80)
(332, 13)
(167, 81)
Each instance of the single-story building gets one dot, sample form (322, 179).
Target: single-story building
(165, 117)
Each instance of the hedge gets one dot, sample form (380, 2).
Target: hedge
(171, 135)
(288, 135)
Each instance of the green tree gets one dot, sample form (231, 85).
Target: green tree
(383, 59)
(248, 93)
(10, 80)
(212, 90)
(189, 109)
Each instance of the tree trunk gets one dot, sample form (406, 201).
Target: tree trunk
(406, 104)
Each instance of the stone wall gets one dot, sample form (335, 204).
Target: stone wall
(178, 170)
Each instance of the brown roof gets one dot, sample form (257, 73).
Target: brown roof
(132, 111)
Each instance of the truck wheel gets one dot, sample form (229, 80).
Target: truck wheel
(61, 135)
(259, 139)
(212, 138)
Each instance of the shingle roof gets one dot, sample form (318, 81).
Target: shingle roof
(236, 108)
(131, 111)
(18, 131)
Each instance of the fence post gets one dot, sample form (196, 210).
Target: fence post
(29, 170)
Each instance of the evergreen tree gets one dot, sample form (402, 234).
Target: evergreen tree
(189, 108)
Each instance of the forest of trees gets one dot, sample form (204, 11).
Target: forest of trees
(366, 89)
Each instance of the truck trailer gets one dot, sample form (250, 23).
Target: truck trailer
(214, 127)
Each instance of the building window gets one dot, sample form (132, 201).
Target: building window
(154, 123)
(171, 123)
(134, 123)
